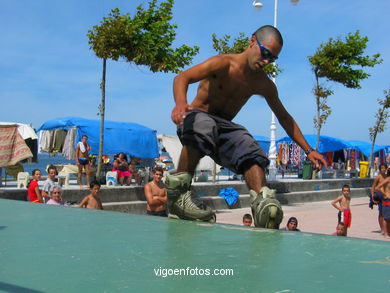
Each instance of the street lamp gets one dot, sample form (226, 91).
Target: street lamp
(272, 148)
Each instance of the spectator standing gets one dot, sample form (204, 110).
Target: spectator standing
(82, 159)
(156, 194)
(385, 186)
(377, 195)
(342, 204)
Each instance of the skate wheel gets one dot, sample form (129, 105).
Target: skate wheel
(273, 211)
(213, 219)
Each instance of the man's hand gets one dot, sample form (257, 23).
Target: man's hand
(317, 159)
(179, 113)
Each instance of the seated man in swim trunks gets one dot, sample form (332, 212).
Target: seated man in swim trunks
(205, 127)
(82, 159)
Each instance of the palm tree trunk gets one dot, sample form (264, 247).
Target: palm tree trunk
(102, 109)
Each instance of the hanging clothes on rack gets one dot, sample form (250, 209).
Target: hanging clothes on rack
(45, 140)
(295, 155)
(352, 162)
(285, 154)
(58, 141)
(382, 157)
(329, 158)
(68, 151)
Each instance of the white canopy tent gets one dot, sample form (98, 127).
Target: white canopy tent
(173, 146)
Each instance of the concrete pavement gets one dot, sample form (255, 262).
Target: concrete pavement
(320, 217)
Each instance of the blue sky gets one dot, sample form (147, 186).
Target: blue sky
(48, 71)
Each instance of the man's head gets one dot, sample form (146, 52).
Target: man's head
(158, 173)
(94, 187)
(292, 224)
(346, 190)
(247, 220)
(383, 168)
(341, 230)
(52, 171)
(84, 138)
(265, 46)
(56, 193)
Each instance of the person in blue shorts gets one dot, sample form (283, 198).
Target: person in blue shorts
(82, 160)
(385, 187)
(377, 195)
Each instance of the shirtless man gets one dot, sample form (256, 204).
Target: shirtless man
(378, 194)
(342, 204)
(156, 194)
(385, 187)
(82, 159)
(92, 201)
(205, 127)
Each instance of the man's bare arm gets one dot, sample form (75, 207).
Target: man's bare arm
(334, 203)
(84, 202)
(383, 183)
(374, 184)
(152, 201)
(38, 192)
(77, 154)
(192, 75)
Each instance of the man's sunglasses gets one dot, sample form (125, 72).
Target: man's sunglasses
(265, 53)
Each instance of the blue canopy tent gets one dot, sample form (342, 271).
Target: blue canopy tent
(130, 138)
(263, 141)
(327, 143)
(365, 147)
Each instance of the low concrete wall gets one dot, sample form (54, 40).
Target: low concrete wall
(287, 191)
(218, 203)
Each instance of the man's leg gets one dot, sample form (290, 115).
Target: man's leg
(86, 168)
(79, 175)
(255, 178)
(266, 210)
(386, 227)
(381, 221)
(189, 159)
(180, 202)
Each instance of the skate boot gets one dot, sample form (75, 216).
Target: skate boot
(181, 203)
(266, 209)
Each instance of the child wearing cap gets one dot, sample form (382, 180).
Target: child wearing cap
(292, 225)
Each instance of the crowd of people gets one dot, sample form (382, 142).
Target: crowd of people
(156, 194)
(156, 197)
(379, 195)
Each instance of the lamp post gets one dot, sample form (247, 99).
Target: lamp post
(272, 148)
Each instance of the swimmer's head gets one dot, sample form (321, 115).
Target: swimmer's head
(247, 220)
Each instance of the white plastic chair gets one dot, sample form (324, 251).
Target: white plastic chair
(63, 179)
(22, 179)
(111, 178)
